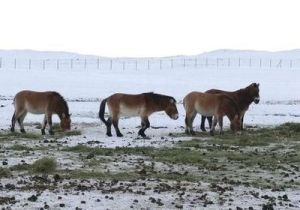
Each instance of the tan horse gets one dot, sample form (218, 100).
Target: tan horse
(142, 105)
(47, 103)
(207, 104)
(243, 97)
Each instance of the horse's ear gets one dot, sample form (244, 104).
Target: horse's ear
(172, 101)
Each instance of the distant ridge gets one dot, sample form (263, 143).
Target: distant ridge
(222, 53)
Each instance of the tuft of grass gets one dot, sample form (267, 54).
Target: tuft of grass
(19, 147)
(4, 172)
(295, 127)
(44, 165)
(16, 135)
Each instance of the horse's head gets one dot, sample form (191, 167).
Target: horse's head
(235, 123)
(65, 122)
(254, 92)
(171, 109)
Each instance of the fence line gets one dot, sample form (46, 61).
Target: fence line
(149, 64)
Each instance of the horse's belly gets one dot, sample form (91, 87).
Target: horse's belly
(35, 110)
(130, 112)
(205, 111)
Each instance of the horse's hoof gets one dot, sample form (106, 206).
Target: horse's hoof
(109, 134)
(193, 133)
(119, 135)
(12, 129)
(23, 131)
(203, 129)
(43, 132)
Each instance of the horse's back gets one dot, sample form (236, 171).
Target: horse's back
(33, 101)
(126, 104)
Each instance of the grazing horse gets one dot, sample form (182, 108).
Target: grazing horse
(243, 97)
(47, 103)
(216, 105)
(142, 105)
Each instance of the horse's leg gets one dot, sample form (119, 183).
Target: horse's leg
(242, 122)
(212, 129)
(20, 120)
(220, 121)
(115, 122)
(203, 123)
(13, 122)
(108, 127)
(145, 124)
(49, 120)
(44, 125)
(210, 119)
(189, 122)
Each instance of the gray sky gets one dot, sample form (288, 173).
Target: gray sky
(149, 28)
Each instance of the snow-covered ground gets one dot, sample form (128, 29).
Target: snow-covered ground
(279, 92)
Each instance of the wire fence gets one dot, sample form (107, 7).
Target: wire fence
(148, 64)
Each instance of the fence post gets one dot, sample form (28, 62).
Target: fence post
(123, 65)
(15, 63)
(71, 64)
(291, 63)
(250, 62)
(160, 64)
(260, 63)
(239, 62)
(148, 64)
(172, 64)
(196, 62)
(111, 64)
(85, 63)
(98, 63)
(0, 63)
(44, 64)
(136, 65)
(57, 64)
(29, 64)
(206, 62)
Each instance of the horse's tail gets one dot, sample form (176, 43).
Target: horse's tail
(102, 110)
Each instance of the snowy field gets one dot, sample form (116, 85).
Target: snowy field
(280, 103)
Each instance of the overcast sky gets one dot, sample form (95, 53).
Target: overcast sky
(149, 28)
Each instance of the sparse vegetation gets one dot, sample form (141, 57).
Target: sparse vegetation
(44, 165)
(4, 173)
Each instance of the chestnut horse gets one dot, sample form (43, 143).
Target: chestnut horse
(216, 105)
(47, 103)
(243, 97)
(142, 105)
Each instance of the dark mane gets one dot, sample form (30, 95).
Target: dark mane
(66, 107)
(157, 97)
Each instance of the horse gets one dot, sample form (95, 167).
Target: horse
(142, 105)
(243, 97)
(217, 105)
(47, 103)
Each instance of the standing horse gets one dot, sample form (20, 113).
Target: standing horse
(142, 105)
(47, 103)
(243, 97)
(216, 105)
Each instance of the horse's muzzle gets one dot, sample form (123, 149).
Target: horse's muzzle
(175, 116)
(256, 100)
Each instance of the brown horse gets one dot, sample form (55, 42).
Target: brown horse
(207, 104)
(142, 105)
(243, 97)
(47, 103)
